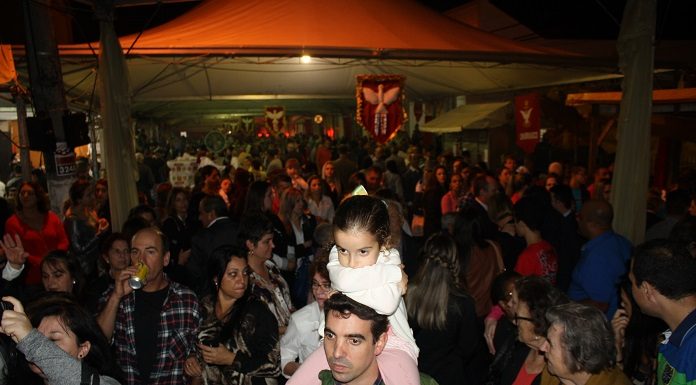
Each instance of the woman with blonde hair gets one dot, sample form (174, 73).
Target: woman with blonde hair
(299, 231)
(334, 189)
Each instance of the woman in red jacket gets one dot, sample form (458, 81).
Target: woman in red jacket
(40, 230)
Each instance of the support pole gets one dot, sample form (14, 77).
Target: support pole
(118, 145)
(636, 57)
(48, 96)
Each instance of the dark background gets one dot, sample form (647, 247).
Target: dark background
(552, 19)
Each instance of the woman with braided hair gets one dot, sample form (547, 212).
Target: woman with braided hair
(442, 314)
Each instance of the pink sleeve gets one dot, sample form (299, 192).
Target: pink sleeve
(496, 313)
(397, 367)
(308, 372)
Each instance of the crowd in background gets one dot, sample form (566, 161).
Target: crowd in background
(498, 262)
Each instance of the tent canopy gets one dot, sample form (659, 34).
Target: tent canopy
(228, 58)
(334, 28)
(469, 116)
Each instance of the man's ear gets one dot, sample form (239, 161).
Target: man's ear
(649, 291)
(165, 259)
(380, 343)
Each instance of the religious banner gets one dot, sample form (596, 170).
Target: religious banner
(275, 119)
(380, 108)
(527, 121)
(248, 126)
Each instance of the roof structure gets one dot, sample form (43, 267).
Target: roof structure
(334, 28)
(233, 57)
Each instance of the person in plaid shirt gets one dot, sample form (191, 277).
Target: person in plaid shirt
(154, 329)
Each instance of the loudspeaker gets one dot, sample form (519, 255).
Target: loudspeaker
(43, 138)
(76, 130)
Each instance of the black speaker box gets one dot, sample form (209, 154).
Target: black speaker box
(42, 137)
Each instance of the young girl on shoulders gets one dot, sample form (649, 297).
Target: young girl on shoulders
(364, 267)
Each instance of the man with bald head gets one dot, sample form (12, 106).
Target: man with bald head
(153, 330)
(603, 261)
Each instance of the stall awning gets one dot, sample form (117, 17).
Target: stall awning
(469, 116)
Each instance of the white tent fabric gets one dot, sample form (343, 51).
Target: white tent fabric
(469, 116)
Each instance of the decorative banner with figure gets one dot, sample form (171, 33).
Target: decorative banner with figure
(380, 108)
(527, 121)
(275, 119)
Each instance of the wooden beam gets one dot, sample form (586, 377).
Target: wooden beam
(678, 95)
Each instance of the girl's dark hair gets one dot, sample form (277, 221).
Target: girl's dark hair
(42, 203)
(255, 197)
(253, 227)
(498, 292)
(77, 191)
(57, 257)
(364, 213)
(78, 320)
(171, 198)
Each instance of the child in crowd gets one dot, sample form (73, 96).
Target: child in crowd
(364, 267)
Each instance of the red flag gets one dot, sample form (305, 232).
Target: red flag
(527, 121)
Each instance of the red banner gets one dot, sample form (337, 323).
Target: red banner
(380, 105)
(527, 121)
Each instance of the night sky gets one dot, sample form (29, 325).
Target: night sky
(585, 19)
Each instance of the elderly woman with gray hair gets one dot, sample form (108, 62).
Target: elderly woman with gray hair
(579, 347)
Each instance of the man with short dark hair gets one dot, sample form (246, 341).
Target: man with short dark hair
(219, 231)
(483, 188)
(154, 331)
(373, 177)
(663, 282)
(604, 259)
(354, 335)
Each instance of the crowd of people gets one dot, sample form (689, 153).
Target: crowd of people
(322, 263)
